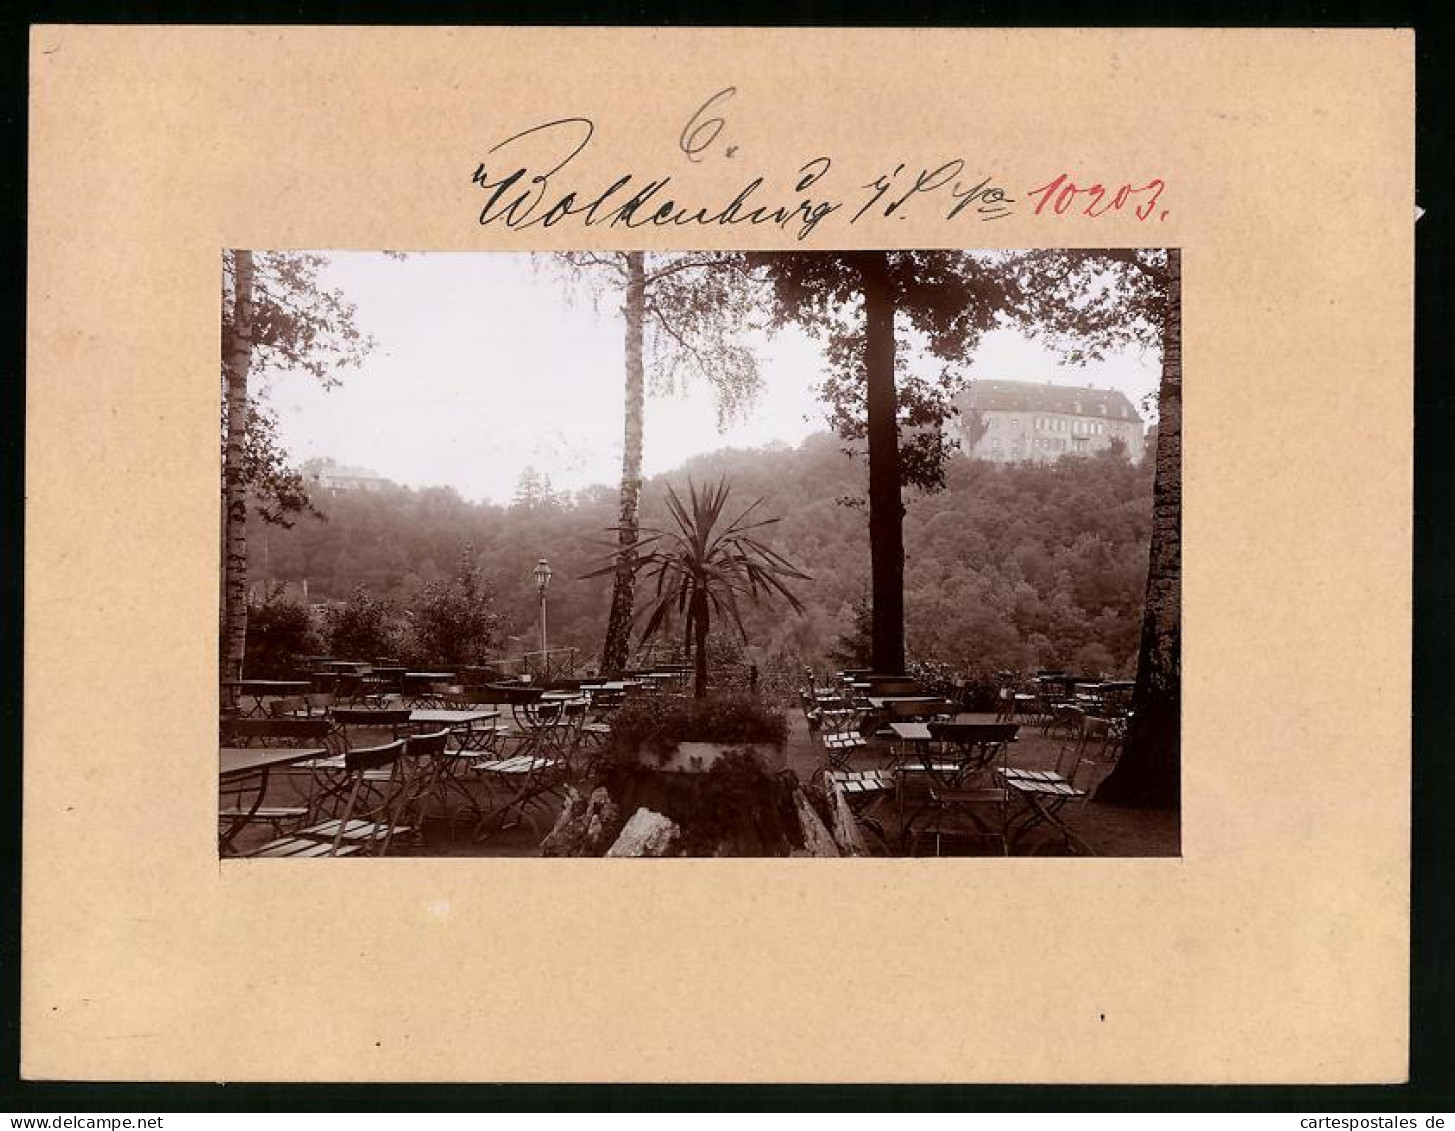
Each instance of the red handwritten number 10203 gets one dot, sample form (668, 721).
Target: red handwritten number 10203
(1063, 195)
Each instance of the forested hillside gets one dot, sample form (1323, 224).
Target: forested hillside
(1009, 567)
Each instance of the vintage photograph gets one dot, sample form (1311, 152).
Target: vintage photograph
(707, 554)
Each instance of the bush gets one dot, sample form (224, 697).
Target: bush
(656, 726)
(773, 679)
(279, 633)
(454, 621)
(364, 628)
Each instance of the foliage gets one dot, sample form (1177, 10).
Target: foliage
(533, 491)
(771, 677)
(935, 676)
(277, 488)
(299, 326)
(1085, 302)
(854, 647)
(690, 311)
(944, 302)
(365, 628)
(279, 632)
(655, 726)
(699, 308)
(1011, 566)
(700, 570)
(453, 621)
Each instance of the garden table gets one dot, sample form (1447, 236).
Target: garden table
(906, 735)
(259, 689)
(878, 702)
(237, 764)
(418, 687)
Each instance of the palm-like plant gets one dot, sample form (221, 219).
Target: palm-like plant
(701, 569)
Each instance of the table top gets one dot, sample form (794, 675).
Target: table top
(562, 697)
(451, 718)
(268, 684)
(234, 761)
(911, 732)
(880, 700)
(440, 676)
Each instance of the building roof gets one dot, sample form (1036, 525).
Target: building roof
(1031, 396)
(326, 468)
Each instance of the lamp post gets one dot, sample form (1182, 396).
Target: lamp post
(542, 575)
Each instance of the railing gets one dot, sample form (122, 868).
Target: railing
(541, 667)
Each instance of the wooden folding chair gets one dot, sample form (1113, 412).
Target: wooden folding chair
(959, 769)
(839, 734)
(367, 823)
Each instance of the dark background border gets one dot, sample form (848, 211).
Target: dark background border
(1432, 1083)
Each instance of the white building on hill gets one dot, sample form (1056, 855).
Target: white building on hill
(331, 476)
(1025, 420)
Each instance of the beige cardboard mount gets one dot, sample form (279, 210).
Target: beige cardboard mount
(1275, 949)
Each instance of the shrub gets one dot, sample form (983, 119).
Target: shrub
(656, 726)
(364, 628)
(279, 633)
(454, 621)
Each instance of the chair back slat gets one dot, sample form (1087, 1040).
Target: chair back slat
(426, 745)
(908, 711)
(286, 706)
(373, 757)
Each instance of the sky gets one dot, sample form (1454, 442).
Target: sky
(487, 364)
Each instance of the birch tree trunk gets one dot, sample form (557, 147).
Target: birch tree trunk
(1149, 772)
(886, 508)
(615, 652)
(238, 351)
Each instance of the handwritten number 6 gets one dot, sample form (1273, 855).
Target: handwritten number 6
(698, 133)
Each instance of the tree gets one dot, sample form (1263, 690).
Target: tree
(860, 302)
(237, 354)
(277, 489)
(700, 571)
(364, 628)
(854, 647)
(276, 317)
(533, 492)
(685, 311)
(454, 620)
(279, 632)
(1086, 301)
(1149, 771)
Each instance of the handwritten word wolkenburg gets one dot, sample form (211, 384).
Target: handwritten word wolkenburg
(534, 179)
